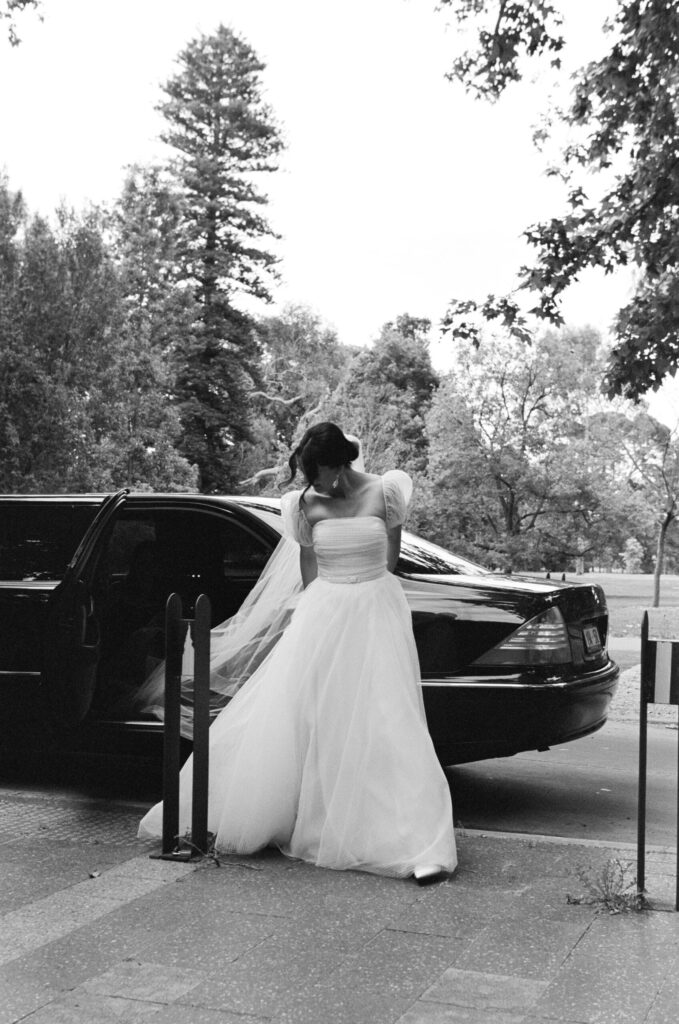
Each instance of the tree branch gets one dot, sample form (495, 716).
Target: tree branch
(261, 474)
(276, 398)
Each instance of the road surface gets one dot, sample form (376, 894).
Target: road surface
(584, 790)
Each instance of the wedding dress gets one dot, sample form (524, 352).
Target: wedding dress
(324, 752)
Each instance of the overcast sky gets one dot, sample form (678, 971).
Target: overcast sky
(396, 191)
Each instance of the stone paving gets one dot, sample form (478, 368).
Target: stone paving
(95, 931)
(28, 818)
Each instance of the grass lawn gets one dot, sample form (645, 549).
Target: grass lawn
(629, 595)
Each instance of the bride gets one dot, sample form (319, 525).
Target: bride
(324, 752)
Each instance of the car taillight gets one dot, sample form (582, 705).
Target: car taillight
(540, 641)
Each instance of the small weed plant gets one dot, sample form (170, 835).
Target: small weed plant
(211, 852)
(611, 888)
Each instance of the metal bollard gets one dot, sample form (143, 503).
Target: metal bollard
(176, 629)
(201, 722)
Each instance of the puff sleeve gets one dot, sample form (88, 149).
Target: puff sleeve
(295, 523)
(397, 488)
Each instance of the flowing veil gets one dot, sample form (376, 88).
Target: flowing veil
(242, 643)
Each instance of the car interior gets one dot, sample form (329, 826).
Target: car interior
(146, 557)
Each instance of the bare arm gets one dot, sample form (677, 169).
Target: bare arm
(393, 546)
(307, 564)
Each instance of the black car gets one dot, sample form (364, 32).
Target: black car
(507, 663)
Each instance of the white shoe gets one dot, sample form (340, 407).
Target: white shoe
(426, 874)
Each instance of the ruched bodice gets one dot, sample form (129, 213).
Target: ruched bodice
(351, 550)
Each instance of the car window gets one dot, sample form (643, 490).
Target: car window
(37, 541)
(126, 537)
(244, 552)
(186, 542)
(421, 556)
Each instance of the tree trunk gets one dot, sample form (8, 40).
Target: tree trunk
(660, 557)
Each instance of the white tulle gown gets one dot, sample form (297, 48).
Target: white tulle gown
(325, 752)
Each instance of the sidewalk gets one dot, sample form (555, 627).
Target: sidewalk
(625, 707)
(94, 931)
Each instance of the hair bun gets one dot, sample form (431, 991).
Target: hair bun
(324, 444)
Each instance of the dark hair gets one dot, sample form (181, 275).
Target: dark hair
(324, 444)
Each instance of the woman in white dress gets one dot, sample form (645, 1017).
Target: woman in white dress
(325, 752)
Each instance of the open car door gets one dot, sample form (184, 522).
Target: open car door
(73, 639)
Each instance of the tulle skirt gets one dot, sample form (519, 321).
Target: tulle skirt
(325, 752)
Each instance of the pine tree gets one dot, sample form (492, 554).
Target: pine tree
(224, 136)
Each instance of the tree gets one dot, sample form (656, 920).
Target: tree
(653, 453)
(507, 447)
(448, 502)
(35, 425)
(83, 394)
(158, 315)
(510, 33)
(632, 555)
(224, 137)
(146, 223)
(8, 12)
(612, 506)
(64, 306)
(386, 395)
(13, 217)
(624, 115)
(302, 364)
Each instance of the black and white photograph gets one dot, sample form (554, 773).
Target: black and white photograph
(339, 491)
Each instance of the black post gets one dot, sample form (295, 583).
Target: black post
(676, 890)
(643, 750)
(201, 722)
(174, 645)
(659, 685)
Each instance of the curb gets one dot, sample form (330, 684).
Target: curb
(533, 838)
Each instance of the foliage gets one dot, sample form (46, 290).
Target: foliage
(211, 388)
(386, 395)
(146, 223)
(511, 31)
(60, 309)
(632, 555)
(82, 397)
(466, 319)
(530, 467)
(8, 12)
(612, 887)
(158, 316)
(508, 466)
(260, 463)
(623, 117)
(302, 364)
(652, 451)
(223, 137)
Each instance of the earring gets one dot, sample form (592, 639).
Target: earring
(335, 483)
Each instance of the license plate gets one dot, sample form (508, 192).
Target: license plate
(592, 638)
